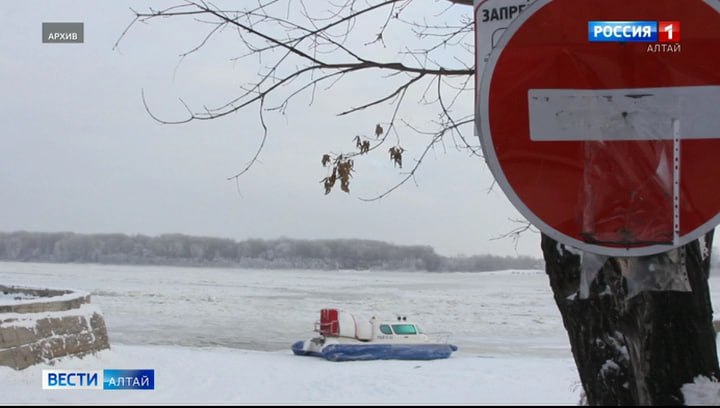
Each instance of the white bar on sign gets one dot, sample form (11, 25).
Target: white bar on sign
(624, 114)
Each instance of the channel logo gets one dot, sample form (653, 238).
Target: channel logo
(98, 380)
(634, 31)
(668, 31)
(71, 379)
(128, 379)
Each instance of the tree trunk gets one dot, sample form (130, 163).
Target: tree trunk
(639, 349)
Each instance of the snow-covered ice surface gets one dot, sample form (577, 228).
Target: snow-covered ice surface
(16, 298)
(224, 336)
(510, 312)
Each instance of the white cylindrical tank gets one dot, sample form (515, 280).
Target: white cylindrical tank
(348, 327)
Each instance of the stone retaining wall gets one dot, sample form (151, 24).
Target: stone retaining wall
(48, 325)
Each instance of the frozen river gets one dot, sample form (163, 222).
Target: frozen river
(493, 313)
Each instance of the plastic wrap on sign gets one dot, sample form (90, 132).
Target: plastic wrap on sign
(631, 205)
(611, 146)
(660, 272)
(590, 265)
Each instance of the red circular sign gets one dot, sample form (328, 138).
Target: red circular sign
(612, 146)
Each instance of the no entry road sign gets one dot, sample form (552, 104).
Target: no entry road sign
(600, 120)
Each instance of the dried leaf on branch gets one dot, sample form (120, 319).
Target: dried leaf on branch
(329, 182)
(342, 169)
(364, 145)
(326, 159)
(378, 130)
(396, 155)
(345, 168)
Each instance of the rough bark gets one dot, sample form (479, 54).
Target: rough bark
(641, 350)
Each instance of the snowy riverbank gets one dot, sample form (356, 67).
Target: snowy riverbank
(223, 376)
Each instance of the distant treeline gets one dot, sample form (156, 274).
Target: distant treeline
(183, 250)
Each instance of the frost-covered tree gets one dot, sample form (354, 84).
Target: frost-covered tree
(629, 348)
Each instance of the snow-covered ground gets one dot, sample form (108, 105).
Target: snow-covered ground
(222, 376)
(15, 298)
(223, 335)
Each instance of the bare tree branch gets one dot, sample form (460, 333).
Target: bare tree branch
(300, 53)
(260, 148)
(418, 162)
(517, 232)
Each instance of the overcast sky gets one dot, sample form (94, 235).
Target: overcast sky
(79, 152)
